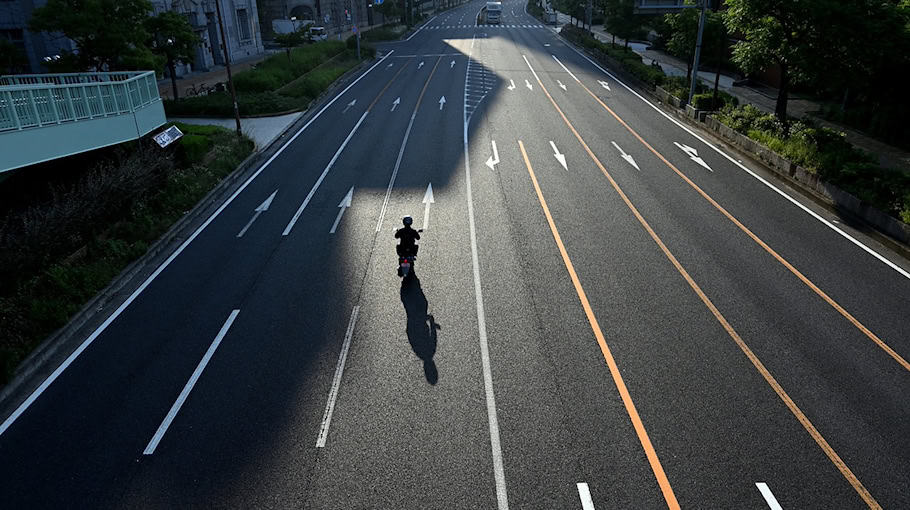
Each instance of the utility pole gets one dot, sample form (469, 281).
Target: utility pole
(701, 29)
(227, 65)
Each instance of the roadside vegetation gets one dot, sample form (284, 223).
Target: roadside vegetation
(70, 236)
(825, 152)
(281, 83)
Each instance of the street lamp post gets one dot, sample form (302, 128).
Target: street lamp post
(701, 29)
(227, 65)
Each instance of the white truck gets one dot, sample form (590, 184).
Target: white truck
(492, 13)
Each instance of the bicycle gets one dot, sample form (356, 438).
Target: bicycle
(199, 89)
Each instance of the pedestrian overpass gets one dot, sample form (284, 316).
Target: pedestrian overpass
(49, 116)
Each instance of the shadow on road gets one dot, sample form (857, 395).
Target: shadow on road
(421, 326)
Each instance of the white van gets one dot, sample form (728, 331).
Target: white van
(493, 13)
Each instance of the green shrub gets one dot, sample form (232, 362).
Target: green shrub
(315, 82)
(193, 148)
(381, 34)
(256, 81)
(705, 101)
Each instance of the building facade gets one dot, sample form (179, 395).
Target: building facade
(14, 18)
(241, 29)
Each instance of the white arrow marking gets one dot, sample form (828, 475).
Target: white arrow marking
(511, 85)
(693, 154)
(420, 64)
(604, 84)
(561, 85)
(427, 199)
(529, 85)
(451, 65)
(345, 203)
(395, 103)
(626, 156)
(263, 207)
(390, 65)
(442, 101)
(352, 103)
(494, 159)
(559, 157)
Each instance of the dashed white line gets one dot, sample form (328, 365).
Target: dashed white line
(153, 444)
(585, 494)
(336, 380)
(768, 495)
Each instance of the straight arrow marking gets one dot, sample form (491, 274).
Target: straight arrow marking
(263, 207)
(452, 64)
(626, 156)
(427, 199)
(559, 157)
(529, 85)
(442, 101)
(693, 154)
(494, 159)
(343, 205)
(395, 103)
(352, 103)
(561, 85)
(420, 64)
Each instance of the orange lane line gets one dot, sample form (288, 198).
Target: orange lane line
(853, 320)
(656, 467)
(797, 412)
(381, 92)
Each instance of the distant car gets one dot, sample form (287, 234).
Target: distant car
(317, 34)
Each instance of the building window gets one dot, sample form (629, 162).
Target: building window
(243, 23)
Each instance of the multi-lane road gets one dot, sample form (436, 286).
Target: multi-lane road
(610, 311)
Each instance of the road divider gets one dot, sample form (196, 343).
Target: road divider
(153, 444)
(765, 373)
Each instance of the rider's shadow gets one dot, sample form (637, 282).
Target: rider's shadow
(421, 327)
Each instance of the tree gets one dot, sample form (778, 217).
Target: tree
(109, 34)
(12, 58)
(293, 39)
(172, 37)
(683, 29)
(785, 33)
(621, 20)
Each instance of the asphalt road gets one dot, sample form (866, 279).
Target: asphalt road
(608, 312)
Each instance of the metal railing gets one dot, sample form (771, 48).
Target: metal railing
(36, 100)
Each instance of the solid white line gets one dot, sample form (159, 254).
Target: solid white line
(585, 494)
(388, 192)
(306, 201)
(769, 496)
(88, 341)
(495, 446)
(336, 380)
(566, 68)
(421, 28)
(150, 449)
(825, 222)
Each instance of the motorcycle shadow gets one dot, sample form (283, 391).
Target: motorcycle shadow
(421, 326)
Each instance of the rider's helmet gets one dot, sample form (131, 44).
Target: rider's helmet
(407, 220)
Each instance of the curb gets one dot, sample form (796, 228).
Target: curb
(32, 371)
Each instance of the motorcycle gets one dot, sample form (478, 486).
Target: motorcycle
(406, 261)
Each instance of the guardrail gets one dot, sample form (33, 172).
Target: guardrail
(37, 100)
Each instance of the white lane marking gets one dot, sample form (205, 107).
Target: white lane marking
(760, 179)
(388, 192)
(306, 201)
(88, 341)
(559, 156)
(502, 498)
(427, 199)
(343, 205)
(263, 207)
(336, 380)
(768, 495)
(150, 449)
(421, 28)
(626, 156)
(494, 159)
(585, 494)
(566, 69)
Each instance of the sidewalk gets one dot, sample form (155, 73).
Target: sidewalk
(262, 130)
(762, 97)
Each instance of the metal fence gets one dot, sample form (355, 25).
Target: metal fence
(35, 100)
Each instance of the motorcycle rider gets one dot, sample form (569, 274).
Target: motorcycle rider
(407, 246)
